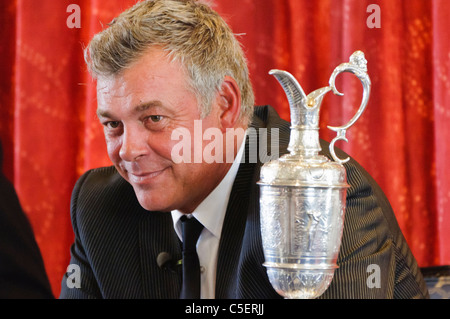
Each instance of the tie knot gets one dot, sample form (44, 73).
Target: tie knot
(191, 229)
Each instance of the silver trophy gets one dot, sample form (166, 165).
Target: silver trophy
(303, 193)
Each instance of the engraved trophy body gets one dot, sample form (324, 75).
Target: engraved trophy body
(303, 194)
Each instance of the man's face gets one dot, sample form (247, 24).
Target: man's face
(139, 109)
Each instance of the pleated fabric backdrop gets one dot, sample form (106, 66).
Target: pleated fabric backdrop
(50, 133)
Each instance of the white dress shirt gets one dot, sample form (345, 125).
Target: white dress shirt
(211, 213)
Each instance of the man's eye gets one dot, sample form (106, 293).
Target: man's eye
(155, 122)
(155, 118)
(112, 124)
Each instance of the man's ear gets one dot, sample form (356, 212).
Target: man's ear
(229, 101)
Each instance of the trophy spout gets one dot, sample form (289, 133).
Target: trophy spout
(294, 93)
(304, 111)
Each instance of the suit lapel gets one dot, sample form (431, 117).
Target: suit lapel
(233, 231)
(156, 235)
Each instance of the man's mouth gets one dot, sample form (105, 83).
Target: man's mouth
(144, 177)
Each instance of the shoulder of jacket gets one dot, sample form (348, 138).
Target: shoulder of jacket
(103, 182)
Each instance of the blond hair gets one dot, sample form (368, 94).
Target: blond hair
(189, 31)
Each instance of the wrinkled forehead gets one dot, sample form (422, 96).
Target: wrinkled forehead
(112, 88)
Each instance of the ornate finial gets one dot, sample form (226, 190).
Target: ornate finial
(358, 60)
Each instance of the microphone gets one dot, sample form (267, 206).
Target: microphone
(166, 262)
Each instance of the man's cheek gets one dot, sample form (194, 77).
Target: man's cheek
(113, 149)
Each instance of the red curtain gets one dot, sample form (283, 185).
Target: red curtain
(50, 133)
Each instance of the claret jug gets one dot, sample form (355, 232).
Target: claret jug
(303, 193)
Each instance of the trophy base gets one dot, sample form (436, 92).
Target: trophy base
(294, 283)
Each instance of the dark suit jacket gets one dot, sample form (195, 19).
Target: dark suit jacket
(117, 241)
(22, 272)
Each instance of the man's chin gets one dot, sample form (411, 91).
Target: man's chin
(154, 205)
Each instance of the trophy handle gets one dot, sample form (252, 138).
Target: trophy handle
(357, 66)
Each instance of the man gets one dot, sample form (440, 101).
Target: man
(169, 67)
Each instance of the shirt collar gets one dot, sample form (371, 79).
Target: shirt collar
(211, 211)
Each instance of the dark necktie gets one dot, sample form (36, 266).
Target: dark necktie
(191, 229)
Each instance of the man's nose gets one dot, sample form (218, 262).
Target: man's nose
(134, 145)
